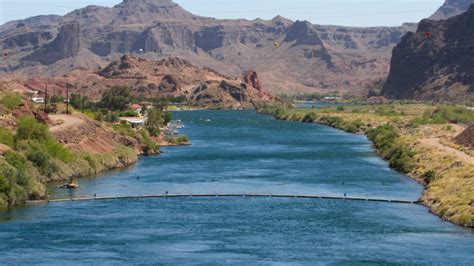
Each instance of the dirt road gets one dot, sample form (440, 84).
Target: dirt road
(65, 122)
(435, 142)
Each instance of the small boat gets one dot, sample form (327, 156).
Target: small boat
(208, 120)
(70, 185)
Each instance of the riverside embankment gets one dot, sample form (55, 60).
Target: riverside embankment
(417, 140)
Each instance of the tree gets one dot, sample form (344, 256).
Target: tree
(29, 128)
(161, 103)
(56, 99)
(154, 121)
(116, 98)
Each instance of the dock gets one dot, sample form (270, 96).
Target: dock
(174, 196)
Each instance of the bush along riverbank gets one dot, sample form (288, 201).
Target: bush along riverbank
(32, 157)
(37, 147)
(416, 139)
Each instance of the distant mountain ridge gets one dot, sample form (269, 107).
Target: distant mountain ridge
(289, 56)
(451, 8)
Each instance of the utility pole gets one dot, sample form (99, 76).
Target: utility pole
(45, 97)
(82, 99)
(67, 98)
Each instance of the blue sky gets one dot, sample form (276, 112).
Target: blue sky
(336, 12)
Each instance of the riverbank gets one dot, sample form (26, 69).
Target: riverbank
(416, 139)
(38, 148)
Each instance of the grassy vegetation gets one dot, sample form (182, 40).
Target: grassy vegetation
(36, 158)
(179, 140)
(397, 131)
(389, 144)
(11, 100)
(445, 114)
(30, 156)
(6, 137)
(142, 135)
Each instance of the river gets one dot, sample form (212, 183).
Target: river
(241, 152)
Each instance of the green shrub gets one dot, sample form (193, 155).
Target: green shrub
(310, 117)
(429, 176)
(111, 117)
(41, 160)
(92, 163)
(177, 140)
(445, 114)
(6, 137)
(56, 150)
(155, 120)
(57, 99)
(128, 114)
(149, 146)
(387, 142)
(116, 98)
(11, 100)
(30, 128)
(332, 121)
(10, 191)
(124, 129)
(386, 110)
(354, 126)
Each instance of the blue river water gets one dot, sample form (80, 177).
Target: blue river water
(241, 152)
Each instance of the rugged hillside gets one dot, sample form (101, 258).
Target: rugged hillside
(168, 77)
(451, 8)
(436, 62)
(289, 56)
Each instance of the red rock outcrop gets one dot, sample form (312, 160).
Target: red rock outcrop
(251, 78)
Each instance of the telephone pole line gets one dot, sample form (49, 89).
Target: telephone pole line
(82, 99)
(67, 98)
(45, 97)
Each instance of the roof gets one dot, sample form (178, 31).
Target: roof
(136, 107)
(133, 120)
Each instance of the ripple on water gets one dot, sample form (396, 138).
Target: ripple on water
(241, 152)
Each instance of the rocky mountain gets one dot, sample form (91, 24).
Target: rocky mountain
(289, 56)
(202, 87)
(436, 62)
(451, 8)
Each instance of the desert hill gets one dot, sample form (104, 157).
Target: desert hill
(202, 87)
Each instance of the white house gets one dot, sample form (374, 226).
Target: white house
(37, 99)
(134, 122)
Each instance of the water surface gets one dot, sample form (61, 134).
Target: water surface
(241, 152)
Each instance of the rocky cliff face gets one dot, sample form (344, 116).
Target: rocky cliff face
(436, 62)
(451, 8)
(66, 44)
(289, 56)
